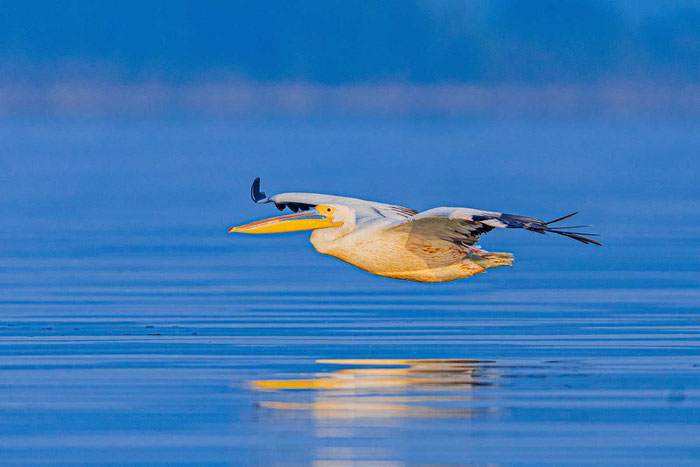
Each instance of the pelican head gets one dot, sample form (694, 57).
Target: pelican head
(321, 217)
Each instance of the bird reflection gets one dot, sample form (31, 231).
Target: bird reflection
(384, 388)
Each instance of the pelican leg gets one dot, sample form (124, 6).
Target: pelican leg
(488, 260)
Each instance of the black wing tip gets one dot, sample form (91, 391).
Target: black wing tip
(538, 226)
(260, 197)
(578, 236)
(581, 237)
(562, 218)
(255, 192)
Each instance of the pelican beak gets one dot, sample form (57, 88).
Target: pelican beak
(292, 223)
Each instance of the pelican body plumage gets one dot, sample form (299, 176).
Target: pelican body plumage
(437, 245)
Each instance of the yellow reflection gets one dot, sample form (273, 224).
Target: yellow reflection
(370, 392)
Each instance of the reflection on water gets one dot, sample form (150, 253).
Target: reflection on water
(387, 388)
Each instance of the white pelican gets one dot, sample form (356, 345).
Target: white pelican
(437, 245)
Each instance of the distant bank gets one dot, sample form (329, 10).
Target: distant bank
(241, 98)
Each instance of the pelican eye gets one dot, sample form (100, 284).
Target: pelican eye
(325, 210)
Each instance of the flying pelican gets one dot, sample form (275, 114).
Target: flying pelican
(437, 245)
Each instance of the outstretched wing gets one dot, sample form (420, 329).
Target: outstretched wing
(306, 201)
(463, 226)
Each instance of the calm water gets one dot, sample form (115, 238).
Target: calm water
(133, 328)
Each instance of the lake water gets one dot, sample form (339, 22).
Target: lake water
(135, 329)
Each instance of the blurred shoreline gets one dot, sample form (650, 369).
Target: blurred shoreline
(237, 99)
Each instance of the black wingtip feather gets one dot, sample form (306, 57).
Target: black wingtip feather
(578, 237)
(562, 218)
(541, 227)
(255, 192)
(581, 237)
(570, 227)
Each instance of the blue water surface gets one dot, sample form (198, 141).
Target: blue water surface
(135, 329)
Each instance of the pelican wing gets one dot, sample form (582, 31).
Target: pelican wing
(463, 226)
(306, 201)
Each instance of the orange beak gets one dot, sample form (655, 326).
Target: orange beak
(291, 223)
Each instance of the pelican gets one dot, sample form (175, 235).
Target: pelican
(437, 245)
